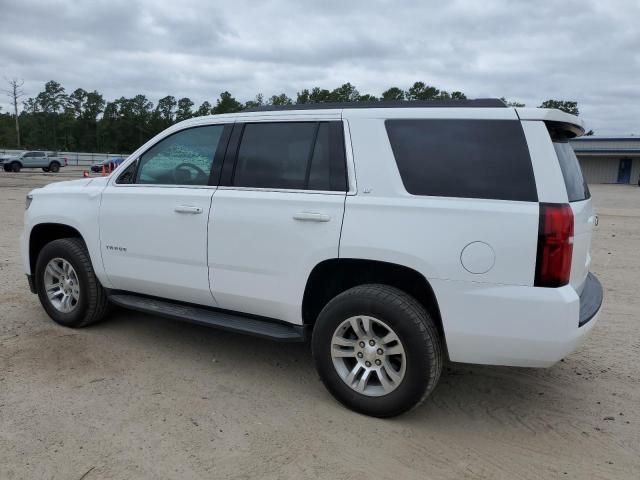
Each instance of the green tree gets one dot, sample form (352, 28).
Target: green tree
(456, 95)
(281, 99)
(53, 99)
(316, 95)
(393, 94)
(345, 93)
(165, 109)
(138, 118)
(421, 91)
(367, 97)
(258, 101)
(93, 106)
(227, 104)
(184, 109)
(564, 105)
(512, 103)
(31, 106)
(46, 127)
(204, 109)
(303, 97)
(77, 100)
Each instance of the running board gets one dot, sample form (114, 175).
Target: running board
(232, 322)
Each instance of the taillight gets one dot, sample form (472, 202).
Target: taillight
(66, 164)
(555, 245)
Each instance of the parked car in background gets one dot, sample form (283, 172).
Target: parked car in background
(97, 167)
(47, 161)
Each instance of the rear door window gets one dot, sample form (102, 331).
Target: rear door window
(463, 158)
(291, 155)
(577, 188)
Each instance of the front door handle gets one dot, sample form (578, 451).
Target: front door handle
(187, 209)
(311, 217)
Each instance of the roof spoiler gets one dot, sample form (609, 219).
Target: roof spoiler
(557, 121)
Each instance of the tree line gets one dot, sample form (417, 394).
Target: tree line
(84, 121)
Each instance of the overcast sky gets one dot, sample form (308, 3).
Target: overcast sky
(527, 51)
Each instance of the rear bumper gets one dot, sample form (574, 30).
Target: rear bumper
(515, 325)
(590, 299)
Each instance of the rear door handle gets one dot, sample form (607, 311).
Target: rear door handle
(311, 217)
(187, 209)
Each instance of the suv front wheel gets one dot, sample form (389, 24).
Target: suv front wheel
(67, 286)
(377, 350)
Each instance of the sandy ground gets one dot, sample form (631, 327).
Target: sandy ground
(143, 397)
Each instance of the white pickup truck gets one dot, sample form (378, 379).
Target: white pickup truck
(395, 236)
(47, 161)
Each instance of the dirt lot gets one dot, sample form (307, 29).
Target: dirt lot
(143, 397)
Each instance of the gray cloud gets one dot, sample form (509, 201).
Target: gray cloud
(583, 50)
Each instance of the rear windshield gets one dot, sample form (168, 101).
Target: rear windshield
(463, 158)
(577, 188)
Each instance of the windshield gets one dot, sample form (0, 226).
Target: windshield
(577, 188)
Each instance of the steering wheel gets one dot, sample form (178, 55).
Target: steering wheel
(185, 166)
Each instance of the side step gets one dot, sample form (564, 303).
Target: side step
(211, 318)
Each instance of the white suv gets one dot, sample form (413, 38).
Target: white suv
(395, 236)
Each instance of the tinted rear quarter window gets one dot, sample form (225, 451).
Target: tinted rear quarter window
(577, 188)
(463, 158)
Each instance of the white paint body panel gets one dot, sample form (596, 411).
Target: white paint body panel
(509, 324)
(429, 233)
(549, 180)
(247, 251)
(551, 189)
(74, 203)
(260, 256)
(549, 115)
(166, 251)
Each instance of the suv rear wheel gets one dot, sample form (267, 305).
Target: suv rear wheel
(67, 286)
(15, 167)
(54, 167)
(377, 350)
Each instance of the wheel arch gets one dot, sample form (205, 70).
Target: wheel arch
(43, 233)
(332, 277)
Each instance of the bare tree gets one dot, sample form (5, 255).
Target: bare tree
(14, 92)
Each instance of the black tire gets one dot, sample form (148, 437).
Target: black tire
(6, 168)
(92, 303)
(15, 167)
(411, 323)
(45, 169)
(54, 167)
